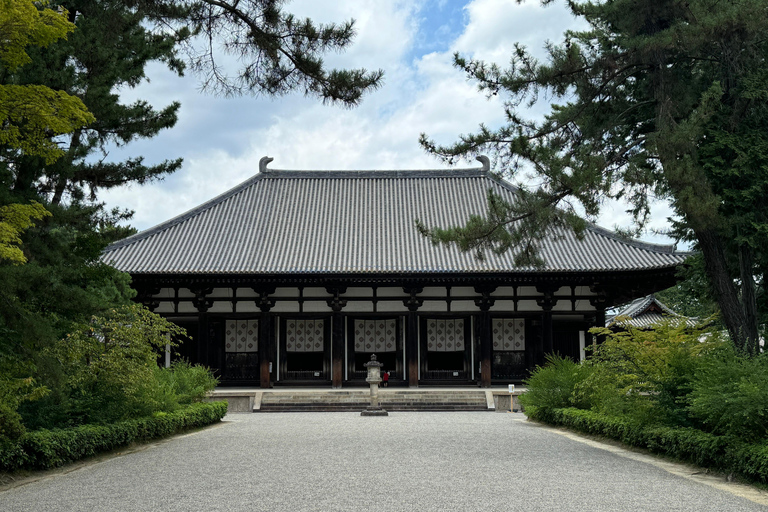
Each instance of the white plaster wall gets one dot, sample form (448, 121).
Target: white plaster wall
(434, 290)
(358, 292)
(222, 306)
(164, 307)
(391, 292)
(285, 292)
(528, 305)
(315, 292)
(463, 290)
(165, 293)
(359, 307)
(187, 307)
(433, 306)
(247, 306)
(565, 305)
(503, 305)
(285, 307)
(392, 306)
(562, 305)
(316, 307)
(185, 293)
(503, 290)
(584, 305)
(221, 292)
(467, 306)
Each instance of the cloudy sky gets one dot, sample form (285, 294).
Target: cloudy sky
(221, 140)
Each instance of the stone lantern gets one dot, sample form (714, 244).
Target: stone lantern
(373, 379)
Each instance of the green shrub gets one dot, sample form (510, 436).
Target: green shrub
(104, 370)
(684, 443)
(646, 375)
(751, 461)
(45, 449)
(187, 382)
(552, 386)
(11, 427)
(730, 395)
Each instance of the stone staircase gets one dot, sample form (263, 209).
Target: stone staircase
(390, 400)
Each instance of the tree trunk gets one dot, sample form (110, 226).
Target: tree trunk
(748, 301)
(725, 290)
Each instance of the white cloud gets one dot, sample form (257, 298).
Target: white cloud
(222, 140)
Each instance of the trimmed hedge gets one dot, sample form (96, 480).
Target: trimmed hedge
(704, 449)
(45, 449)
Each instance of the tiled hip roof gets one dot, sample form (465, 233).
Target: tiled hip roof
(289, 222)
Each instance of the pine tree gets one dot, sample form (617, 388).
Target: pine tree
(657, 98)
(108, 46)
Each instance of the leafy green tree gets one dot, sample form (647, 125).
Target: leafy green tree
(109, 362)
(50, 145)
(14, 219)
(655, 99)
(30, 114)
(646, 374)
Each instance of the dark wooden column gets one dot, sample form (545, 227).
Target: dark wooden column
(265, 304)
(546, 303)
(486, 345)
(202, 304)
(412, 334)
(599, 302)
(337, 335)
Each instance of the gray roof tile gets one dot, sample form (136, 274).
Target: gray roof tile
(640, 314)
(332, 222)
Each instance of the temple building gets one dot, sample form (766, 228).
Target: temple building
(297, 277)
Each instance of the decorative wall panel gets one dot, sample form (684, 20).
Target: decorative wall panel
(445, 335)
(304, 335)
(375, 335)
(508, 333)
(241, 336)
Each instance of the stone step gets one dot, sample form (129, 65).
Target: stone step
(382, 399)
(359, 400)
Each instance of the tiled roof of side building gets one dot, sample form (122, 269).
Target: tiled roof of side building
(646, 313)
(347, 222)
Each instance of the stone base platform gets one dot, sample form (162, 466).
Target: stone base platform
(358, 400)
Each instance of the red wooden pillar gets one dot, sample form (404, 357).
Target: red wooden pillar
(546, 303)
(337, 335)
(485, 302)
(412, 335)
(265, 304)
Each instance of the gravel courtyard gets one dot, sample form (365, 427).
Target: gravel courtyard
(403, 462)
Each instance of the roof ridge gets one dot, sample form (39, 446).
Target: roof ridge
(375, 173)
(367, 174)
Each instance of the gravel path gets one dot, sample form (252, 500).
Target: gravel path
(403, 462)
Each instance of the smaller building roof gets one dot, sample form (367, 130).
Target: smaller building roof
(646, 313)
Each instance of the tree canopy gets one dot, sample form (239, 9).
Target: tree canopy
(655, 99)
(63, 67)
